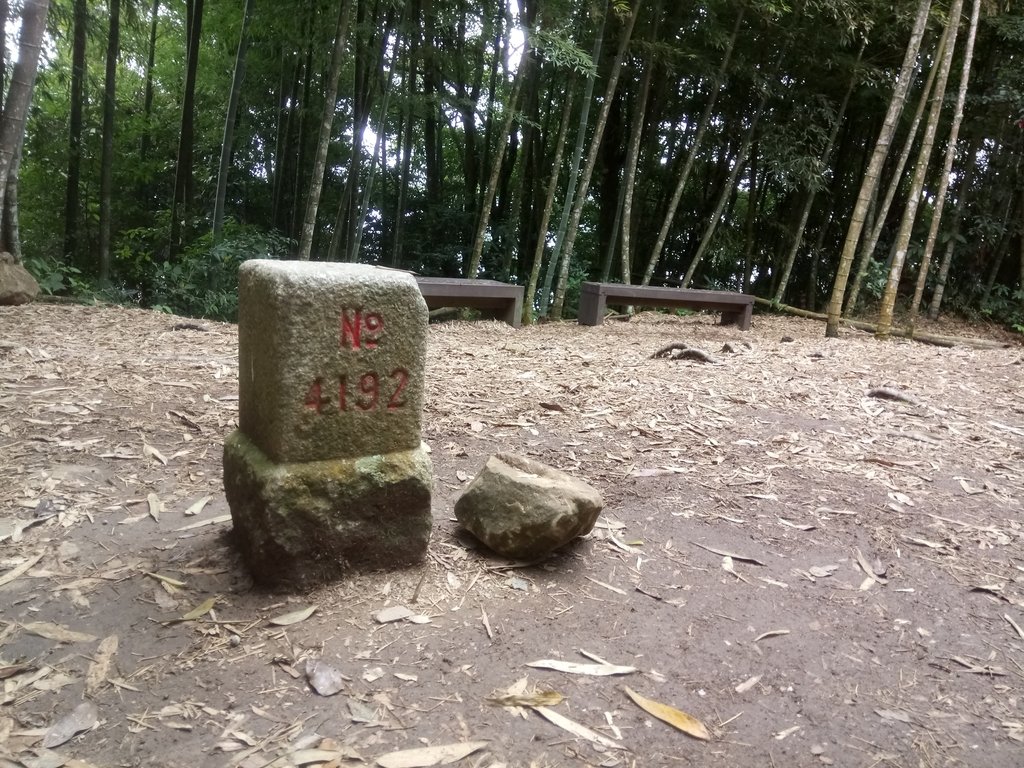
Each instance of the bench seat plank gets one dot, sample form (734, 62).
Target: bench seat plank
(736, 308)
(503, 300)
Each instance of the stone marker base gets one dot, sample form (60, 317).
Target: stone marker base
(305, 523)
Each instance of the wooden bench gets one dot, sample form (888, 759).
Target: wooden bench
(735, 307)
(502, 300)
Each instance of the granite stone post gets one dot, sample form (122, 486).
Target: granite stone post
(327, 472)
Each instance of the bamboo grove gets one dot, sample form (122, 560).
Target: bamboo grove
(849, 156)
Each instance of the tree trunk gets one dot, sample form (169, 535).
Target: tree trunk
(947, 165)
(182, 199)
(549, 204)
(881, 213)
(588, 169)
(805, 214)
(633, 155)
(72, 195)
(702, 126)
(379, 150)
(927, 338)
(11, 231)
(920, 171)
(5, 15)
(577, 158)
(107, 155)
(147, 108)
(229, 122)
(492, 181)
(738, 164)
(870, 180)
(754, 194)
(405, 147)
(19, 93)
(316, 179)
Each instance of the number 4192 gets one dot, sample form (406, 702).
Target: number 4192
(362, 393)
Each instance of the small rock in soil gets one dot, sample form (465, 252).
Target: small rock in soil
(523, 509)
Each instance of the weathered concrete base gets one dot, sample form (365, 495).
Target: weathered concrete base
(305, 523)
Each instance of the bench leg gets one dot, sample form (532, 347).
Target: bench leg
(748, 313)
(592, 307)
(513, 314)
(740, 317)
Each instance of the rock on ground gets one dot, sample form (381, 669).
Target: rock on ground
(17, 286)
(523, 509)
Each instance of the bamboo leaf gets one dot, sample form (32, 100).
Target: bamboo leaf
(576, 729)
(688, 724)
(287, 619)
(200, 610)
(572, 668)
(422, 757)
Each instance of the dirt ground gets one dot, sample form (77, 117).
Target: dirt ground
(820, 575)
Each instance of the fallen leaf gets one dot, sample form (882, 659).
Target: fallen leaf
(822, 571)
(81, 718)
(99, 667)
(747, 684)
(10, 670)
(1015, 625)
(772, 633)
(57, 632)
(155, 505)
(200, 610)
(788, 732)
(329, 757)
(167, 580)
(572, 668)
(392, 613)
(324, 678)
(422, 757)
(361, 713)
(152, 452)
(723, 553)
(797, 526)
(17, 571)
(575, 728)
(197, 507)
(208, 521)
(535, 699)
(728, 567)
(868, 569)
(969, 490)
(890, 714)
(688, 724)
(293, 617)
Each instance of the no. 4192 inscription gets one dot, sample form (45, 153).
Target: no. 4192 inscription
(369, 391)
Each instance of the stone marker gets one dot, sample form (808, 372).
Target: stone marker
(524, 510)
(327, 471)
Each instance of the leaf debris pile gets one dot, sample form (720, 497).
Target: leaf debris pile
(810, 572)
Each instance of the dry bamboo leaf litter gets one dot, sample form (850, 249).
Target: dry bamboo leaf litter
(771, 406)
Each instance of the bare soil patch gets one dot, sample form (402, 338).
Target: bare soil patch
(819, 576)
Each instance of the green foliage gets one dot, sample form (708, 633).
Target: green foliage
(559, 49)
(203, 281)
(55, 277)
(1005, 306)
(875, 278)
(437, 98)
